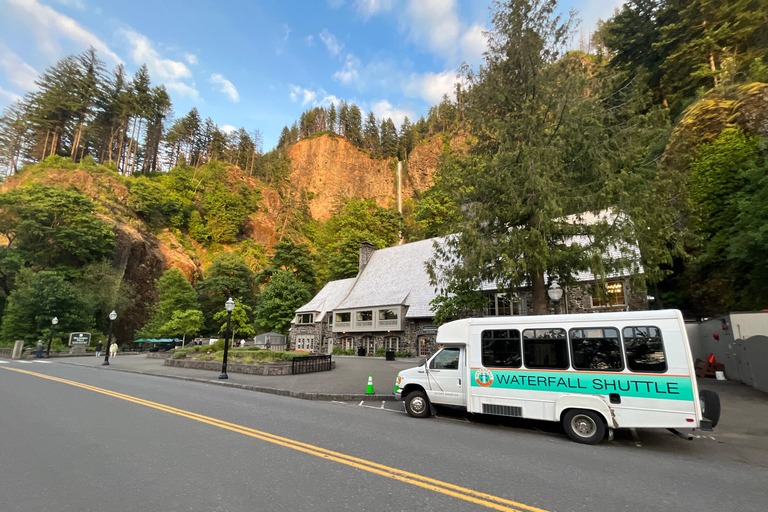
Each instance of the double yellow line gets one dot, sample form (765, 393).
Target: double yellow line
(462, 493)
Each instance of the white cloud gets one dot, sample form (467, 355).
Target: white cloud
(384, 110)
(310, 39)
(170, 72)
(369, 8)
(143, 52)
(335, 4)
(191, 58)
(8, 94)
(227, 128)
(350, 72)
(227, 87)
(76, 4)
(18, 72)
(435, 23)
(330, 41)
(50, 26)
(473, 44)
(431, 86)
(182, 89)
(307, 96)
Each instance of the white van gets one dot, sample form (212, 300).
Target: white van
(588, 371)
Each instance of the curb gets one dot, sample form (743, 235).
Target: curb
(302, 395)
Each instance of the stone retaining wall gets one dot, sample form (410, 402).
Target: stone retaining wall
(278, 368)
(159, 355)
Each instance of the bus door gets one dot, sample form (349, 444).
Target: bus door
(445, 376)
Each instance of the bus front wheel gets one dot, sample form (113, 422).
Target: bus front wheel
(584, 426)
(417, 404)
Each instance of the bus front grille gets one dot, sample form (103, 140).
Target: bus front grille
(503, 410)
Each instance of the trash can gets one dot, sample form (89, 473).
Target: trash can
(361, 351)
(390, 355)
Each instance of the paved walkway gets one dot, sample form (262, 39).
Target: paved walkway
(348, 381)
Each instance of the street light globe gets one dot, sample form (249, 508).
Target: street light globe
(229, 305)
(112, 315)
(54, 321)
(555, 292)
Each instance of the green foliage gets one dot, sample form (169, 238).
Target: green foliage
(284, 294)
(38, 298)
(353, 222)
(190, 321)
(49, 228)
(225, 214)
(198, 229)
(228, 276)
(176, 295)
(156, 204)
(338, 351)
(380, 352)
(240, 321)
(295, 258)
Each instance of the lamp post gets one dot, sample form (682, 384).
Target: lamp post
(555, 293)
(112, 317)
(229, 306)
(54, 321)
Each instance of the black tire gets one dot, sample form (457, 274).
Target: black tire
(417, 404)
(584, 426)
(710, 406)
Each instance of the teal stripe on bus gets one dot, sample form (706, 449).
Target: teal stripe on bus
(625, 384)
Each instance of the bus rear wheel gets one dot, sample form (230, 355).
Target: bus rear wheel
(584, 426)
(417, 404)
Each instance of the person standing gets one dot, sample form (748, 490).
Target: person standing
(99, 346)
(40, 347)
(113, 349)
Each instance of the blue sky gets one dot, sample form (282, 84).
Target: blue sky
(259, 64)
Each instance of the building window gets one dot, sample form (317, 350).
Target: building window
(545, 348)
(501, 348)
(305, 318)
(343, 317)
(387, 314)
(614, 295)
(596, 349)
(364, 316)
(502, 304)
(348, 342)
(392, 343)
(330, 320)
(645, 349)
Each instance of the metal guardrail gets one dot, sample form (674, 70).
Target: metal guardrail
(310, 364)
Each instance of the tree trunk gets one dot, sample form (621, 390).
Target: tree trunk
(120, 144)
(539, 294)
(130, 145)
(712, 66)
(136, 149)
(45, 146)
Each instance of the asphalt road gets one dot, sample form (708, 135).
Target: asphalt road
(98, 440)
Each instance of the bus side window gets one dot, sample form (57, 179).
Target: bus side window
(645, 349)
(545, 348)
(596, 349)
(501, 348)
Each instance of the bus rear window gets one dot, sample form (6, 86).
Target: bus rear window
(545, 348)
(501, 348)
(645, 349)
(596, 349)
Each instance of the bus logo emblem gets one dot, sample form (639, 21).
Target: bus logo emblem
(484, 377)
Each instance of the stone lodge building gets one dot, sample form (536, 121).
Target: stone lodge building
(388, 304)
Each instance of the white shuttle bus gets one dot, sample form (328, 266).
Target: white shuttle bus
(591, 372)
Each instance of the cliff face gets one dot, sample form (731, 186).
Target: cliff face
(330, 167)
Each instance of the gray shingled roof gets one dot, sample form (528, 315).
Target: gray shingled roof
(395, 275)
(328, 298)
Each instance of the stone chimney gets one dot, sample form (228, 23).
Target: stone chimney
(366, 251)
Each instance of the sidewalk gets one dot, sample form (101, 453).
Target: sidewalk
(348, 381)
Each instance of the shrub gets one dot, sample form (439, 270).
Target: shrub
(179, 354)
(338, 351)
(380, 352)
(404, 353)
